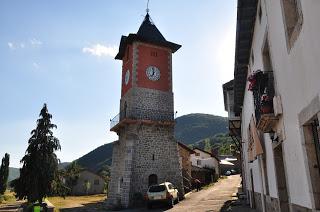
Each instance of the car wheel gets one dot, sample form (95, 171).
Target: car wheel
(171, 202)
(177, 199)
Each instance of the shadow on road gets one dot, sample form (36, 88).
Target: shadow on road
(96, 206)
(236, 206)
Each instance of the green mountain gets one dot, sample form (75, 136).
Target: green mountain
(14, 173)
(195, 127)
(198, 129)
(63, 165)
(97, 158)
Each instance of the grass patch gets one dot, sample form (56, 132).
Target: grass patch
(7, 197)
(76, 201)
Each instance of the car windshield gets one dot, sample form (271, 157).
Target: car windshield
(157, 188)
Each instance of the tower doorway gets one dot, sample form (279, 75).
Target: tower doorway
(153, 180)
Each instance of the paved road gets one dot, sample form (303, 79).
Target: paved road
(206, 200)
(211, 199)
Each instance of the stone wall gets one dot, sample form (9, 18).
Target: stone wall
(272, 204)
(155, 152)
(148, 99)
(143, 150)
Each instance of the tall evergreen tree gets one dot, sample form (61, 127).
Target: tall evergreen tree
(40, 163)
(4, 173)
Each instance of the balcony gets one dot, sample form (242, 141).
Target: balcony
(263, 95)
(235, 126)
(146, 116)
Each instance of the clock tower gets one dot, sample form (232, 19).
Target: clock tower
(146, 152)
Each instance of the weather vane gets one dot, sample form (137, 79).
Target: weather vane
(147, 10)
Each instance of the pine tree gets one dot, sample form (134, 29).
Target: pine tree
(4, 173)
(40, 163)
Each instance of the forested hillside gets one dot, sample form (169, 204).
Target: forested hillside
(13, 173)
(195, 127)
(97, 158)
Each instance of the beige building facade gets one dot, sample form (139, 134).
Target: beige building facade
(275, 98)
(88, 183)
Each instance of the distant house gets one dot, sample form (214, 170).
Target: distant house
(228, 163)
(205, 166)
(184, 155)
(88, 183)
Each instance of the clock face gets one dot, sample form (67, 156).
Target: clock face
(153, 73)
(127, 77)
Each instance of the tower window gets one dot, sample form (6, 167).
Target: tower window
(153, 157)
(127, 54)
(292, 15)
(154, 54)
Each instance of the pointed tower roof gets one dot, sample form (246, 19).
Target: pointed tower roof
(149, 33)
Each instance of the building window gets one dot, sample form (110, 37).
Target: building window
(152, 156)
(199, 162)
(252, 58)
(197, 154)
(260, 13)
(96, 182)
(293, 19)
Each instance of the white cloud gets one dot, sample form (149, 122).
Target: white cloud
(100, 50)
(11, 46)
(35, 42)
(36, 65)
(22, 45)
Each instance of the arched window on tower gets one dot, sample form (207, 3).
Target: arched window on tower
(153, 179)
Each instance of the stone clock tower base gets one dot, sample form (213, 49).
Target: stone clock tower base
(142, 152)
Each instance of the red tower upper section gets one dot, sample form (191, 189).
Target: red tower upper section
(146, 58)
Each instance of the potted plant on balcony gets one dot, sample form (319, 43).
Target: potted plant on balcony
(266, 104)
(253, 79)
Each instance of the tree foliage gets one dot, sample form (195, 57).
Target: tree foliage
(4, 173)
(220, 141)
(72, 174)
(40, 163)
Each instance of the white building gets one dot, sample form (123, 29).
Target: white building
(203, 159)
(279, 107)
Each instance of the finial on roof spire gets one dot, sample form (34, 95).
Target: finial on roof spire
(147, 10)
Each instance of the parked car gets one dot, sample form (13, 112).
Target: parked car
(228, 173)
(163, 193)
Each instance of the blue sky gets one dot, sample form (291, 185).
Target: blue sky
(61, 53)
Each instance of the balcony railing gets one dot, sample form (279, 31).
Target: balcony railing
(142, 114)
(265, 85)
(264, 111)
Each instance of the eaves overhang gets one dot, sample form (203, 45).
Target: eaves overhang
(246, 16)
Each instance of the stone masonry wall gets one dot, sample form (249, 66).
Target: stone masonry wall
(119, 185)
(148, 99)
(155, 152)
